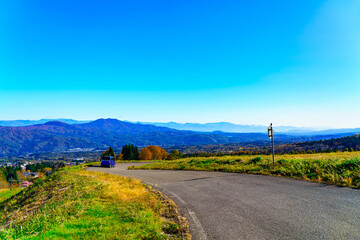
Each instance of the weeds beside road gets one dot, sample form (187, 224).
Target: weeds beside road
(341, 168)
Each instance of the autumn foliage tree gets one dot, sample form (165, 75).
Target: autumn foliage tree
(153, 152)
(119, 157)
(145, 154)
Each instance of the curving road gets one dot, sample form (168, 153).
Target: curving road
(240, 206)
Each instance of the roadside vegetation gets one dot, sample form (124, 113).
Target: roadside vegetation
(73, 203)
(340, 168)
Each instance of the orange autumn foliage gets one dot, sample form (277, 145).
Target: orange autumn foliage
(153, 153)
(145, 154)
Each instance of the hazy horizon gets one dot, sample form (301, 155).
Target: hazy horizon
(144, 122)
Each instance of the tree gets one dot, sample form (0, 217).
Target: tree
(145, 154)
(175, 154)
(130, 152)
(157, 153)
(109, 152)
(119, 157)
(136, 153)
(127, 152)
(46, 170)
(10, 173)
(124, 152)
(31, 167)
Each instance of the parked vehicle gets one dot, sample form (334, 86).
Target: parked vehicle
(108, 161)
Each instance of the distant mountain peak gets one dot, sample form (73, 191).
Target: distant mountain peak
(56, 123)
(104, 122)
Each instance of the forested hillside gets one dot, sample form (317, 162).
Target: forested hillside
(345, 143)
(58, 137)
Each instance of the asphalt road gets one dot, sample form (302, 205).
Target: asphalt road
(240, 206)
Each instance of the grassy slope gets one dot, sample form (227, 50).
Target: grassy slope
(334, 168)
(78, 204)
(6, 193)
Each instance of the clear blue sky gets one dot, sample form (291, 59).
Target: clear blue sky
(250, 62)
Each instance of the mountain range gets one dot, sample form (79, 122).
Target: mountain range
(57, 136)
(227, 127)
(204, 127)
(21, 123)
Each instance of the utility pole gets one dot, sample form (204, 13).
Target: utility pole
(271, 136)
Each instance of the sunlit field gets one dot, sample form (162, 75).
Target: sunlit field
(7, 193)
(340, 168)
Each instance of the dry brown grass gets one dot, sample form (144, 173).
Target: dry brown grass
(119, 188)
(79, 204)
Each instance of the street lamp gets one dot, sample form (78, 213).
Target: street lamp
(271, 136)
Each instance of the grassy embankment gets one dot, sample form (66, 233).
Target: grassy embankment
(77, 204)
(342, 168)
(6, 193)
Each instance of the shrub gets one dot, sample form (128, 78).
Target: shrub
(281, 161)
(255, 160)
(351, 164)
(171, 228)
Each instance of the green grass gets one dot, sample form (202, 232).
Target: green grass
(332, 168)
(6, 193)
(78, 204)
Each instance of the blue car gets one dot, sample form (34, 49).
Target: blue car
(108, 161)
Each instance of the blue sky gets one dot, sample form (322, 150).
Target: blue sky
(249, 62)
